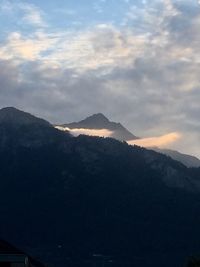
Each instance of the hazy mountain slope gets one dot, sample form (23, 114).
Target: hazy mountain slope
(70, 198)
(187, 160)
(99, 121)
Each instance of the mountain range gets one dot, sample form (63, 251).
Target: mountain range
(70, 200)
(119, 132)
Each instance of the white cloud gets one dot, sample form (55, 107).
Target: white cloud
(104, 46)
(32, 14)
(19, 47)
(90, 132)
(27, 12)
(100, 47)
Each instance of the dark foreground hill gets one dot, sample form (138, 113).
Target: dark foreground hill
(65, 199)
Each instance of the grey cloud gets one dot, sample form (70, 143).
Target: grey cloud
(184, 26)
(143, 100)
(9, 75)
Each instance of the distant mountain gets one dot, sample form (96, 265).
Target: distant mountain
(99, 121)
(187, 160)
(65, 199)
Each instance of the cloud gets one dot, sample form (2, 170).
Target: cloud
(26, 12)
(105, 46)
(32, 14)
(18, 47)
(161, 141)
(90, 132)
(100, 47)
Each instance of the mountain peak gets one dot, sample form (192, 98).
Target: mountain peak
(99, 121)
(97, 117)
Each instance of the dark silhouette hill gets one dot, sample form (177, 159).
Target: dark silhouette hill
(65, 199)
(13, 116)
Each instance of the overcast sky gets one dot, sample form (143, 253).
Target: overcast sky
(138, 62)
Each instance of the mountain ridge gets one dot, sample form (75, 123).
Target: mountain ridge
(21, 128)
(13, 115)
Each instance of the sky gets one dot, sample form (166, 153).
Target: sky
(137, 62)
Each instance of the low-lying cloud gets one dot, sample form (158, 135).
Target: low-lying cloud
(160, 141)
(90, 132)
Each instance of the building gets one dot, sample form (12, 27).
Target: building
(10, 256)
